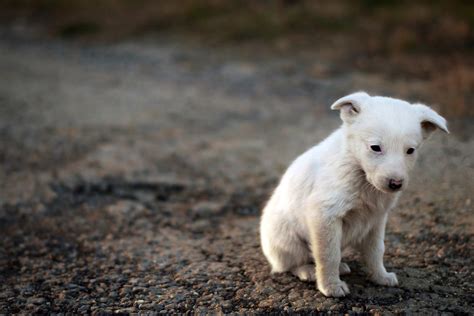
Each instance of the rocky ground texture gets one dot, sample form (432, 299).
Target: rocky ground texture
(133, 174)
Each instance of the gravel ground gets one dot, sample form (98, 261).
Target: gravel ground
(133, 175)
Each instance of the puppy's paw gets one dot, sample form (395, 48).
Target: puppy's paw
(387, 279)
(305, 273)
(344, 268)
(338, 289)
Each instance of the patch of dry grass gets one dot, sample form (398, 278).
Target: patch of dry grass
(432, 40)
(407, 23)
(454, 90)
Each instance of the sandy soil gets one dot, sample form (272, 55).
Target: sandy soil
(132, 177)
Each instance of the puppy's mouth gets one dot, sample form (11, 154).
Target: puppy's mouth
(388, 191)
(374, 186)
(384, 189)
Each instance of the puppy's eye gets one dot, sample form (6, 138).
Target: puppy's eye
(376, 148)
(410, 151)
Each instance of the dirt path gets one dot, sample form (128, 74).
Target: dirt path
(132, 177)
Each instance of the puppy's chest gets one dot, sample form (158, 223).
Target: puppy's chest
(362, 217)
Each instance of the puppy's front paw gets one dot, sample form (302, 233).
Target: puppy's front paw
(387, 279)
(338, 289)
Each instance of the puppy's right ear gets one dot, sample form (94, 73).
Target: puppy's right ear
(350, 105)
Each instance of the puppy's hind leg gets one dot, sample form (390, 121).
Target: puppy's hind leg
(291, 256)
(305, 272)
(281, 245)
(344, 268)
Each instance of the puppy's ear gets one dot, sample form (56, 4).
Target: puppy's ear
(430, 120)
(350, 105)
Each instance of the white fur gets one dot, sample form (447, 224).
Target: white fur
(336, 195)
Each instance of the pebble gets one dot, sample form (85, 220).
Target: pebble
(83, 309)
(357, 309)
(36, 300)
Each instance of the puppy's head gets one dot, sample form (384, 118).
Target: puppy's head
(384, 135)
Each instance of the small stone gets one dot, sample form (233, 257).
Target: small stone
(336, 307)
(357, 309)
(83, 309)
(6, 294)
(179, 298)
(125, 310)
(134, 281)
(207, 208)
(36, 300)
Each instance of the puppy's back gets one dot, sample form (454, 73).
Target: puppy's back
(302, 175)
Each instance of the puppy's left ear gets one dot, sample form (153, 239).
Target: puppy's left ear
(430, 120)
(350, 105)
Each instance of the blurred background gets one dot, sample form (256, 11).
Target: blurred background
(430, 40)
(140, 139)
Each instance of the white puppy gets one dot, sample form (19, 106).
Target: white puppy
(338, 194)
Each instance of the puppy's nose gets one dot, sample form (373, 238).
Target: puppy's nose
(395, 184)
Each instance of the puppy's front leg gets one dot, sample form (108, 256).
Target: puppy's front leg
(326, 235)
(372, 249)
